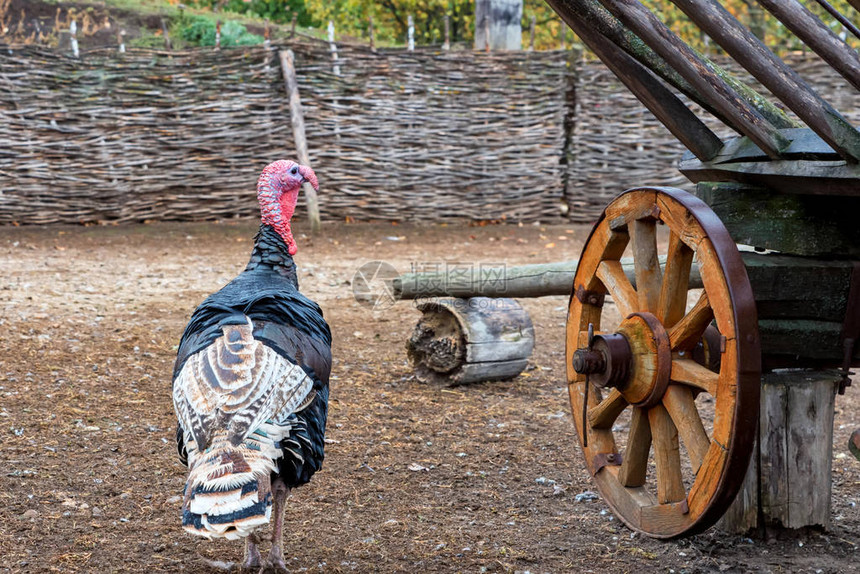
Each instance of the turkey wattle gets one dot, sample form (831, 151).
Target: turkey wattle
(250, 385)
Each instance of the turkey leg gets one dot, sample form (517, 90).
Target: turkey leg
(252, 553)
(276, 554)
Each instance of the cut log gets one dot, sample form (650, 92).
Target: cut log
(790, 486)
(460, 341)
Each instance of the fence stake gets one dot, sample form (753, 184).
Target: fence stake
(487, 31)
(532, 33)
(333, 47)
(561, 34)
(120, 39)
(293, 26)
(166, 35)
(266, 41)
(447, 44)
(370, 32)
(297, 119)
(218, 35)
(73, 31)
(411, 33)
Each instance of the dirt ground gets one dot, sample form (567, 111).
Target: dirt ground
(417, 478)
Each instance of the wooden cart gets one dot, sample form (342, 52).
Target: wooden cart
(670, 403)
(715, 354)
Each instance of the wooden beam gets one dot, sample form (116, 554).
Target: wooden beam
(774, 74)
(665, 106)
(809, 225)
(712, 87)
(818, 36)
(537, 280)
(811, 167)
(297, 119)
(594, 16)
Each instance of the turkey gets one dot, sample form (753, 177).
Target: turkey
(250, 385)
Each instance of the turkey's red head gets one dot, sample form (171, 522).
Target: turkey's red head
(278, 191)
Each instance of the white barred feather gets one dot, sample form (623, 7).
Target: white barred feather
(233, 400)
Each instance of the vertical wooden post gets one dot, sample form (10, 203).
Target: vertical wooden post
(166, 33)
(218, 35)
(370, 32)
(411, 34)
(73, 32)
(297, 119)
(788, 484)
(446, 45)
(532, 33)
(562, 32)
(333, 47)
(293, 25)
(266, 34)
(120, 40)
(487, 32)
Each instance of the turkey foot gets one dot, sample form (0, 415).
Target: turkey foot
(251, 561)
(275, 561)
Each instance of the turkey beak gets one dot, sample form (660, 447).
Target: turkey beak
(309, 176)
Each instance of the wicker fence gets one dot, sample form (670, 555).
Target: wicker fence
(424, 135)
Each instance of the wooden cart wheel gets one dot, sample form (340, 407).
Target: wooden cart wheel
(656, 364)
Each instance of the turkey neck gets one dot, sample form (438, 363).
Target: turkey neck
(271, 253)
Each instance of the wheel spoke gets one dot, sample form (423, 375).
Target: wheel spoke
(667, 456)
(635, 464)
(602, 415)
(611, 273)
(689, 372)
(688, 331)
(676, 280)
(681, 407)
(646, 264)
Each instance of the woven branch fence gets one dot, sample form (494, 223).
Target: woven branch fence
(425, 135)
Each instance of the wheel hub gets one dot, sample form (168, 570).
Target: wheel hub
(637, 360)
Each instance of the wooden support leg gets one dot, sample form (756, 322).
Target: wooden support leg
(789, 480)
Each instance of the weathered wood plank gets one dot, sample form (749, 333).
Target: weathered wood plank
(712, 87)
(809, 225)
(774, 74)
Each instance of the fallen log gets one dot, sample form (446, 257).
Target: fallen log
(537, 280)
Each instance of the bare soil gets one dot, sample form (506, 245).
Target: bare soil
(417, 477)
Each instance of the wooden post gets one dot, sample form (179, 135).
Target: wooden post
(411, 34)
(297, 119)
(293, 25)
(446, 45)
(370, 32)
(333, 47)
(487, 32)
(788, 482)
(120, 40)
(561, 35)
(164, 31)
(218, 35)
(266, 33)
(73, 32)
(532, 33)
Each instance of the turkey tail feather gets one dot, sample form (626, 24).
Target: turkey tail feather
(228, 493)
